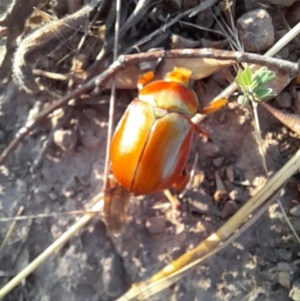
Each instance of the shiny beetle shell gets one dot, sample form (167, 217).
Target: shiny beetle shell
(152, 141)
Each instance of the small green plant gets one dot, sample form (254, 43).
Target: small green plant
(252, 85)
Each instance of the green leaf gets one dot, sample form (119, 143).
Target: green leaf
(263, 76)
(263, 92)
(244, 79)
(240, 81)
(242, 100)
(247, 77)
(252, 86)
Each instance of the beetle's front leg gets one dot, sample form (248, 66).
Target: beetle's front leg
(145, 79)
(148, 76)
(214, 106)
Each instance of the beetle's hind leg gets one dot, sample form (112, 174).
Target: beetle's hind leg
(203, 133)
(116, 202)
(179, 186)
(182, 181)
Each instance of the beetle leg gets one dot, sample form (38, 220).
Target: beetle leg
(116, 202)
(182, 181)
(148, 76)
(172, 199)
(204, 134)
(214, 106)
(145, 79)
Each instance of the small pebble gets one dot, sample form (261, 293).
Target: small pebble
(256, 30)
(284, 255)
(283, 266)
(284, 53)
(52, 196)
(284, 99)
(177, 252)
(210, 149)
(156, 224)
(238, 194)
(230, 174)
(205, 19)
(284, 279)
(55, 231)
(202, 205)
(70, 187)
(220, 196)
(199, 177)
(229, 209)
(295, 211)
(65, 139)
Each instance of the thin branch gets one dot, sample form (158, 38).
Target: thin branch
(134, 18)
(112, 98)
(190, 12)
(284, 40)
(214, 242)
(52, 248)
(11, 228)
(127, 60)
(45, 215)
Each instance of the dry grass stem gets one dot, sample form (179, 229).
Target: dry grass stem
(212, 244)
(11, 228)
(112, 97)
(45, 215)
(56, 245)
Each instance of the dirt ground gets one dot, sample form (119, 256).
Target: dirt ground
(260, 265)
(95, 266)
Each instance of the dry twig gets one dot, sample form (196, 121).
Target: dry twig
(11, 228)
(112, 97)
(53, 247)
(39, 40)
(231, 230)
(128, 60)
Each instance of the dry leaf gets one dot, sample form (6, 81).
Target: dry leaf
(201, 68)
(179, 42)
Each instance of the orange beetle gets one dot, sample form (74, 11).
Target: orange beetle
(152, 141)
